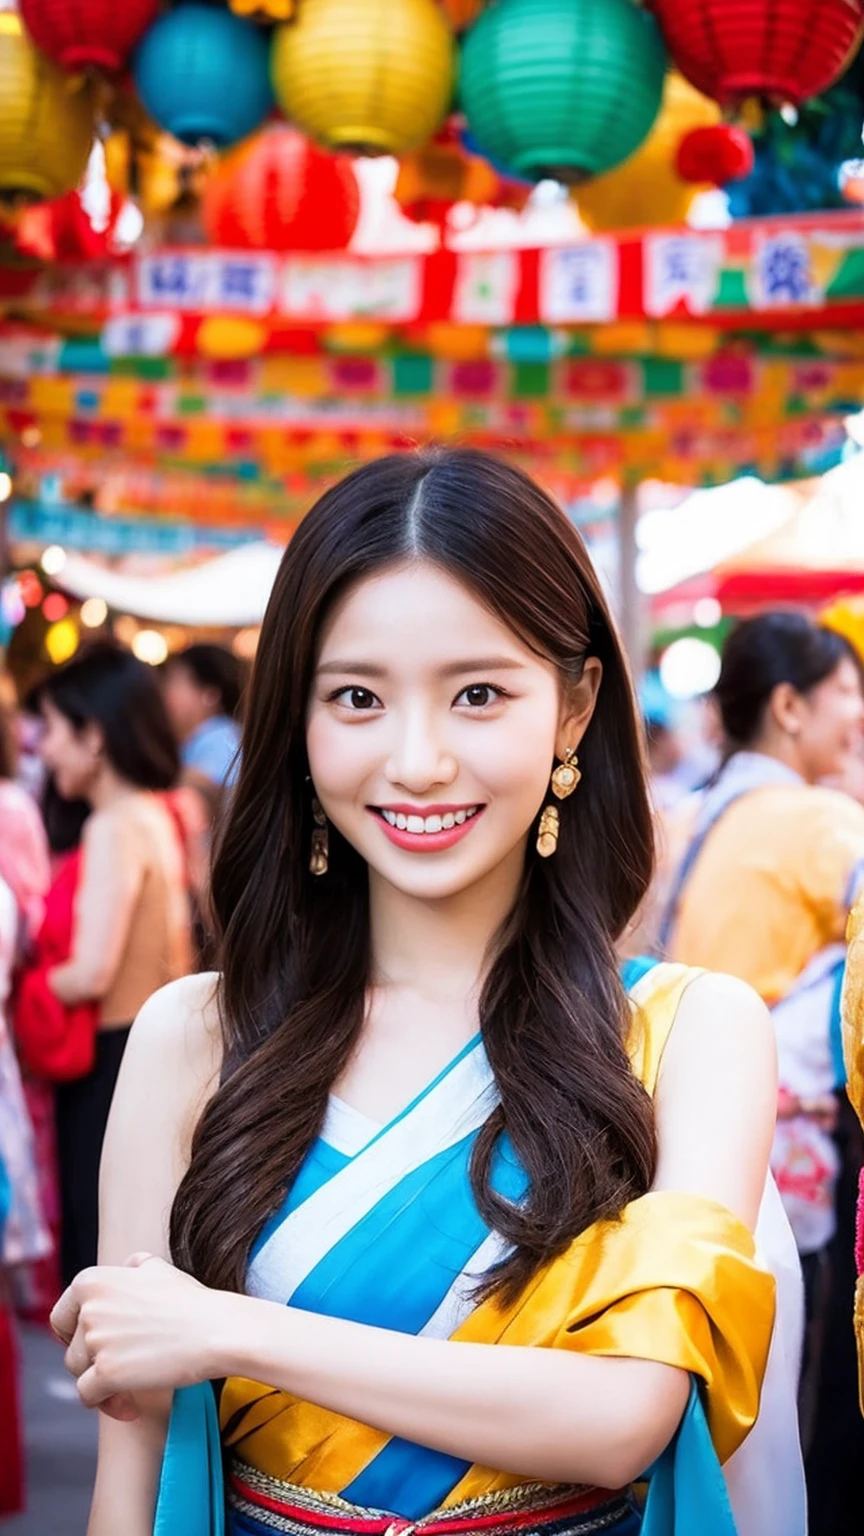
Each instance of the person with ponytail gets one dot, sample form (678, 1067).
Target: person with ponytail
(460, 1229)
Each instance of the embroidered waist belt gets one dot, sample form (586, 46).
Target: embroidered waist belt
(266, 1504)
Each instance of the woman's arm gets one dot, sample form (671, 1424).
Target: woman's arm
(540, 1413)
(168, 1071)
(111, 873)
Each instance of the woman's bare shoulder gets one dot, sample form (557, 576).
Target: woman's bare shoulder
(180, 1022)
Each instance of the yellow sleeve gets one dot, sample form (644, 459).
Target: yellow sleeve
(832, 857)
(674, 1280)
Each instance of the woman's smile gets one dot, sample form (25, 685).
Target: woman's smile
(426, 829)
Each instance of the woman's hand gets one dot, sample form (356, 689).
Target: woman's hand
(141, 1327)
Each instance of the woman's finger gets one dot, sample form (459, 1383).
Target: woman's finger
(135, 1260)
(77, 1358)
(122, 1406)
(64, 1316)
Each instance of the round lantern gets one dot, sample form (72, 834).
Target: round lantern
(461, 13)
(716, 155)
(46, 127)
(371, 76)
(562, 88)
(282, 193)
(648, 189)
(781, 50)
(92, 34)
(203, 74)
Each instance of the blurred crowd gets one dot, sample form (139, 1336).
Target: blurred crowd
(113, 776)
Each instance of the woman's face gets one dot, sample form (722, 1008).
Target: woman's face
(73, 756)
(188, 703)
(432, 731)
(831, 721)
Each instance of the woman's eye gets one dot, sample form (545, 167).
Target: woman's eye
(356, 698)
(479, 695)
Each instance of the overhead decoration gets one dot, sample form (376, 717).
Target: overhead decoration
(798, 166)
(91, 34)
(562, 88)
(432, 180)
(461, 13)
(47, 126)
(63, 231)
(282, 193)
(781, 51)
(648, 188)
(367, 76)
(264, 10)
(715, 155)
(202, 73)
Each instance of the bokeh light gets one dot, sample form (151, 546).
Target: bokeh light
(148, 645)
(94, 612)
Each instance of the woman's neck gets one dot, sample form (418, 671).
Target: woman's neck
(783, 748)
(109, 789)
(440, 949)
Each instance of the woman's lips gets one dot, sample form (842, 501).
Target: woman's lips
(428, 842)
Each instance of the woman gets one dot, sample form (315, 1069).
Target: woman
(24, 858)
(762, 871)
(108, 741)
(416, 1103)
(204, 691)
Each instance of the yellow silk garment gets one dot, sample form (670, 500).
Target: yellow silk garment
(853, 1052)
(674, 1280)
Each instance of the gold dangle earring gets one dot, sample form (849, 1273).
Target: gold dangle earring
(319, 861)
(565, 779)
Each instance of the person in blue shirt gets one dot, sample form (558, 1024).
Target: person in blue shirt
(204, 691)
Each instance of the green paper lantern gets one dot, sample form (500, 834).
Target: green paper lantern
(564, 89)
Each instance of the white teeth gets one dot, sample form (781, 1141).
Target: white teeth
(428, 824)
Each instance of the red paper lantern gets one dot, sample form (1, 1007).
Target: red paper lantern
(783, 51)
(714, 156)
(88, 34)
(282, 193)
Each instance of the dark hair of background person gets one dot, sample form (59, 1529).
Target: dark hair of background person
(111, 688)
(213, 666)
(295, 951)
(762, 653)
(64, 819)
(8, 736)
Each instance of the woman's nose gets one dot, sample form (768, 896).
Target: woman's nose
(420, 759)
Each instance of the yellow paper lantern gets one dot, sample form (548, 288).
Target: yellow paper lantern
(47, 122)
(366, 76)
(647, 190)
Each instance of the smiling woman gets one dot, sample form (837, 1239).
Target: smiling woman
(452, 1221)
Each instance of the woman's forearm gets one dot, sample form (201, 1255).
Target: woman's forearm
(127, 1479)
(541, 1413)
(76, 982)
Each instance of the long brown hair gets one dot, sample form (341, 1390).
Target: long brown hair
(295, 951)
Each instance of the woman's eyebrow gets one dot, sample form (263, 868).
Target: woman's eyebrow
(476, 664)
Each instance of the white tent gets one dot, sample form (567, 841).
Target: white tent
(229, 591)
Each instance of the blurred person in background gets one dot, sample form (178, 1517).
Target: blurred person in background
(108, 741)
(24, 859)
(761, 871)
(204, 687)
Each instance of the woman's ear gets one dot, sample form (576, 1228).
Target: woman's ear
(93, 739)
(578, 707)
(785, 709)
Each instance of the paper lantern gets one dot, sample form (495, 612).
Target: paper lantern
(648, 189)
(562, 88)
(716, 155)
(461, 13)
(46, 126)
(432, 180)
(781, 50)
(89, 34)
(282, 193)
(371, 76)
(203, 74)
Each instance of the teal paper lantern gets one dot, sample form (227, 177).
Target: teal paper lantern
(564, 89)
(203, 74)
